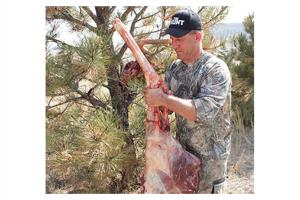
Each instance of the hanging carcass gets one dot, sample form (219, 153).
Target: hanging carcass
(168, 167)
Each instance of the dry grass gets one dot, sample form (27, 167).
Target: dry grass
(241, 163)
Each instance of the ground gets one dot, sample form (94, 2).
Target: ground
(241, 163)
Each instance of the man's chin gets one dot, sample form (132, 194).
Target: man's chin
(179, 55)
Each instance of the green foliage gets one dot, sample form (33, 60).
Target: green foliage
(63, 132)
(112, 156)
(210, 16)
(240, 60)
(244, 45)
(137, 127)
(89, 51)
(87, 60)
(88, 155)
(58, 70)
(137, 116)
(244, 70)
(246, 104)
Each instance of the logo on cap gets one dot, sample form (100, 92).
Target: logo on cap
(177, 21)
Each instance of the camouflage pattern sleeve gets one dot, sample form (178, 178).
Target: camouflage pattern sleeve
(213, 93)
(168, 74)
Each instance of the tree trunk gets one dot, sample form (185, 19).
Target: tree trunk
(121, 99)
(117, 96)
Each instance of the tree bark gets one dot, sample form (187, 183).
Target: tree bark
(121, 98)
(120, 95)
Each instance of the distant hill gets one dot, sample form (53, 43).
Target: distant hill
(225, 30)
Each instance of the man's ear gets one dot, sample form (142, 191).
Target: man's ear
(198, 35)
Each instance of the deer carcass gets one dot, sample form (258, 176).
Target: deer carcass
(168, 168)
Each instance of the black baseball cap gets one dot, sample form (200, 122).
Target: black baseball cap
(183, 21)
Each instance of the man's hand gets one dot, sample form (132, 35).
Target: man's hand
(183, 107)
(155, 97)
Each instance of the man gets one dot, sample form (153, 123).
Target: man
(201, 87)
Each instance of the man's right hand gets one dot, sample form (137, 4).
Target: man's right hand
(155, 97)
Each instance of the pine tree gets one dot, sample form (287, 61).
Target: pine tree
(95, 125)
(240, 60)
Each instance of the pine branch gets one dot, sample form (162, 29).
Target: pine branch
(99, 14)
(86, 105)
(214, 46)
(91, 91)
(157, 50)
(58, 94)
(50, 101)
(58, 41)
(124, 47)
(91, 14)
(137, 27)
(148, 16)
(137, 16)
(103, 13)
(111, 10)
(142, 34)
(91, 99)
(62, 103)
(223, 9)
(122, 50)
(62, 112)
(200, 10)
(126, 13)
(164, 10)
(68, 17)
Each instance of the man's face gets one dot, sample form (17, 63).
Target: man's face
(184, 46)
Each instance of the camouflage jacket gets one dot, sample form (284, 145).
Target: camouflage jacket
(208, 84)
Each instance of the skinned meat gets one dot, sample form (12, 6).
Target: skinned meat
(168, 167)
